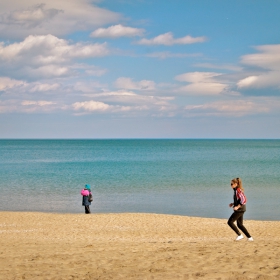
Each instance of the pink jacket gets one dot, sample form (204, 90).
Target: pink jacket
(84, 192)
(241, 196)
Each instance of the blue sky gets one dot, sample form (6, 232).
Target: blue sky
(139, 69)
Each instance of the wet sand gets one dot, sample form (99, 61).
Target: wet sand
(134, 246)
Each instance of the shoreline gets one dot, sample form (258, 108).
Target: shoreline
(136, 213)
(39, 245)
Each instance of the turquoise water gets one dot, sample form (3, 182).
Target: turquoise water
(185, 177)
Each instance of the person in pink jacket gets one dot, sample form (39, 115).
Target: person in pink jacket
(86, 192)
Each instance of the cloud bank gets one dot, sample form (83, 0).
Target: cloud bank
(32, 17)
(201, 83)
(267, 67)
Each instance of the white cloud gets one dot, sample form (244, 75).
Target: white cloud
(129, 97)
(101, 107)
(97, 106)
(117, 31)
(202, 83)
(7, 83)
(26, 106)
(235, 108)
(247, 82)
(211, 89)
(47, 71)
(269, 61)
(21, 18)
(128, 83)
(18, 89)
(91, 106)
(167, 39)
(118, 94)
(268, 58)
(263, 80)
(31, 16)
(125, 102)
(47, 56)
(50, 49)
(42, 87)
(196, 77)
(40, 103)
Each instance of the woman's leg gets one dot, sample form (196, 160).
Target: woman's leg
(235, 216)
(240, 225)
(87, 210)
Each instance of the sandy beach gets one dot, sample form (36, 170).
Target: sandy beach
(134, 246)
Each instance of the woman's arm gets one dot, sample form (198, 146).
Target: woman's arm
(241, 197)
(237, 207)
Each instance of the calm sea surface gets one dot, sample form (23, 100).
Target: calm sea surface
(185, 177)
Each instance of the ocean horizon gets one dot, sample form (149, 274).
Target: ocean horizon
(166, 176)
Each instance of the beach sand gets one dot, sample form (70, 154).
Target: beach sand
(134, 246)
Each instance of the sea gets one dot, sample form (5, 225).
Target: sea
(189, 177)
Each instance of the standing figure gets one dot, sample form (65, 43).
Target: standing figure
(86, 192)
(239, 207)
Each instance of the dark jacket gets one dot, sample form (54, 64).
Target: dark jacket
(85, 200)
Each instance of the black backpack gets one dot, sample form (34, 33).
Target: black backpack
(90, 199)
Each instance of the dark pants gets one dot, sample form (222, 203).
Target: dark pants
(238, 216)
(87, 210)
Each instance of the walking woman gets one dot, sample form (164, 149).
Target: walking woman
(86, 193)
(239, 207)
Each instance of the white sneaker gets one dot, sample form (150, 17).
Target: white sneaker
(239, 237)
(250, 239)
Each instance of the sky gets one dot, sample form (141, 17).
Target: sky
(140, 69)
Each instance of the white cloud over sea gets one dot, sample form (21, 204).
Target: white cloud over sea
(46, 56)
(113, 60)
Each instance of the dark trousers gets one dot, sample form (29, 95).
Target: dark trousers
(87, 210)
(238, 216)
